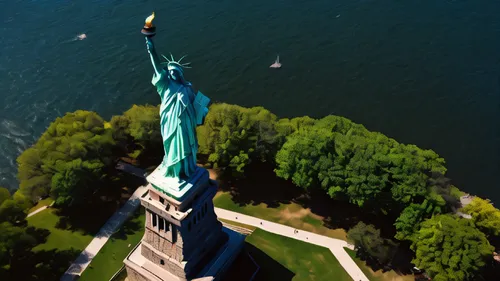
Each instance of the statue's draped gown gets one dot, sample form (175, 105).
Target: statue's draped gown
(178, 126)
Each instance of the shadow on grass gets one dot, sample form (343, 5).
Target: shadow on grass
(89, 218)
(400, 261)
(41, 265)
(130, 226)
(243, 267)
(261, 185)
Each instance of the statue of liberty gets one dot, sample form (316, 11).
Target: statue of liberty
(181, 110)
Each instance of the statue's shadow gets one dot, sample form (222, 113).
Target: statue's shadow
(253, 262)
(260, 185)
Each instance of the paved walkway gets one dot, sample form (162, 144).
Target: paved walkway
(336, 246)
(39, 210)
(110, 227)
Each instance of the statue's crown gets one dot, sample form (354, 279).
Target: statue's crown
(177, 65)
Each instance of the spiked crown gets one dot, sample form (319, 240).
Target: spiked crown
(172, 64)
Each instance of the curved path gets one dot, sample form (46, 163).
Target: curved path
(39, 210)
(336, 246)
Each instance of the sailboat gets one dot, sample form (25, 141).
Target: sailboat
(276, 63)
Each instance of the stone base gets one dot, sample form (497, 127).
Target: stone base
(141, 269)
(176, 188)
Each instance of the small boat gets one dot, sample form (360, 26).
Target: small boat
(81, 36)
(276, 64)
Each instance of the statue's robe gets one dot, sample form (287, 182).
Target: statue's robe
(178, 125)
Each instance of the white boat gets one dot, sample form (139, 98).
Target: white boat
(276, 63)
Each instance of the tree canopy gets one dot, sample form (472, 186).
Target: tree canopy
(409, 220)
(485, 215)
(368, 241)
(348, 161)
(232, 136)
(138, 132)
(450, 248)
(78, 142)
(4, 194)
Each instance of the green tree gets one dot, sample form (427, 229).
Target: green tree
(409, 170)
(348, 161)
(138, 132)
(80, 135)
(485, 215)
(4, 194)
(12, 211)
(450, 248)
(9, 236)
(233, 136)
(408, 222)
(340, 156)
(12, 208)
(144, 124)
(368, 242)
(72, 184)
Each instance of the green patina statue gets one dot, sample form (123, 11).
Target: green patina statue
(181, 111)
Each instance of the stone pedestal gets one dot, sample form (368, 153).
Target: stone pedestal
(183, 239)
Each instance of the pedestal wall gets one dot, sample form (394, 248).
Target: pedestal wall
(183, 237)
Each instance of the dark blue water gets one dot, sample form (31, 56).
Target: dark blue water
(423, 72)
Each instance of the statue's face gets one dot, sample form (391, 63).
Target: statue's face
(173, 75)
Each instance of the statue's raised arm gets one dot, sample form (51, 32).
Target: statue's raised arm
(149, 31)
(155, 60)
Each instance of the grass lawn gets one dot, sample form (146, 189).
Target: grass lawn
(110, 259)
(378, 275)
(60, 239)
(291, 214)
(302, 260)
(41, 203)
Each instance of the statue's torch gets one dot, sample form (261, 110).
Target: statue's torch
(149, 29)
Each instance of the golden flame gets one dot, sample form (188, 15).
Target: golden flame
(149, 20)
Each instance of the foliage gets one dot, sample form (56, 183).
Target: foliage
(232, 136)
(12, 208)
(141, 122)
(348, 161)
(9, 236)
(75, 145)
(70, 183)
(409, 220)
(485, 215)
(368, 241)
(138, 132)
(18, 261)
(450, 248)
(12, 211)
(4, 194)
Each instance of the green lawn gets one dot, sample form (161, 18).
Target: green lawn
(41, 203)
(291, 214)
(60, 239)
(304, 261)
(110, 259)
(296, 216)
(378, 275)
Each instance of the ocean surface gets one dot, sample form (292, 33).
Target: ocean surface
(425, 72)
